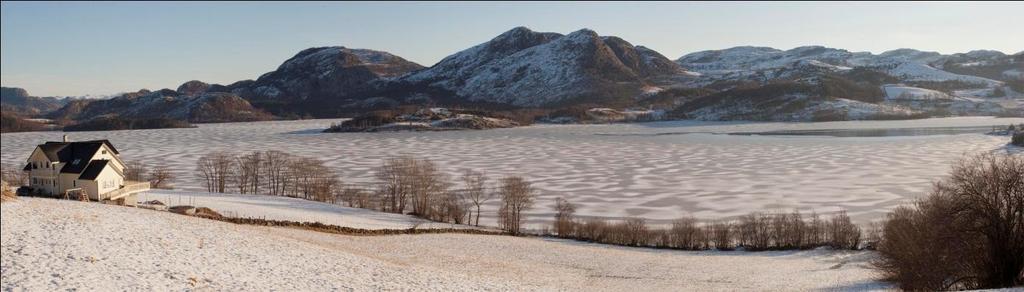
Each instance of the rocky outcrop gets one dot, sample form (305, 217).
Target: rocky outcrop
(193, 87)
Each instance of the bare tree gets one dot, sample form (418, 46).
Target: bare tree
(426, 184)
(215, 168)
(517, 195)
(721, 235)
(564, 211)
(274, 164)
(686, 234)
(475, 184)
(451, 207)
(135, 170)
(635, 232)
(843, 234)
(14, 176)
(967, 234)
(248, 175)
(394, 188)
(161, 177)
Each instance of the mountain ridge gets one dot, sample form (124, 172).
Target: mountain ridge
(550, 73)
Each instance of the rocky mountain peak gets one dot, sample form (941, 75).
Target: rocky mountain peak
(193, 87)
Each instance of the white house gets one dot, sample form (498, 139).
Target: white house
(90, 167)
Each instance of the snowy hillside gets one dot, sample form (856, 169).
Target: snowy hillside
(760, 58)
(907, 64)
(291, 209)
(898, 92)
(526, 68)
(52, 245)
(851, 85)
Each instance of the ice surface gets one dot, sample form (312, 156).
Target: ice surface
(615, 170)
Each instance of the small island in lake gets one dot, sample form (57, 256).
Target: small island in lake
(428, 119)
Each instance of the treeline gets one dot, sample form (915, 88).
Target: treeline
(269, 172)
(10, 123)
(408, 185)
(404, 185)
(754, 232)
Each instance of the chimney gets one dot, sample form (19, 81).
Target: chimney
(65, 138)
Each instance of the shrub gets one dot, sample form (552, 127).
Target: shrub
(843, 234)
(721, 236)
(635, 232)
(685, 234)
(967, 234)
(564, 224)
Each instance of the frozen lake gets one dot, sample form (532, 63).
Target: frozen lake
(659, 171)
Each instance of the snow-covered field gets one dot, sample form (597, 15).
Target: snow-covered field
(899, 92)
(67, 245)
(658, 171)
(290, 209)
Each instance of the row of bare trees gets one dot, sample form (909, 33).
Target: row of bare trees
(418, 187)
(271, 172)
(756, 231)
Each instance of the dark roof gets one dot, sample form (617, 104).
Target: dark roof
(93, 170)
(75, 155)
(51, 149)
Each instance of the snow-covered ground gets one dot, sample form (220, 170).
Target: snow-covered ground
(290, 209)
(900, 92)
(67, 245)
(660, 171)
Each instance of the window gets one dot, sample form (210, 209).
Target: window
(76, 161)
(104, 151)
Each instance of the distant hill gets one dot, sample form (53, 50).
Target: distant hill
(192, 104)
(18, 100)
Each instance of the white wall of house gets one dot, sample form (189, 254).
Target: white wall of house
(104, 153)
(108, 180)
(44, 174)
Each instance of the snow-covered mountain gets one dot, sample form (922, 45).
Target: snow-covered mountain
(821, 82)
(522, 67)
(906, 64)
(552, 72)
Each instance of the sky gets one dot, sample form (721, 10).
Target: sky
(102, 48)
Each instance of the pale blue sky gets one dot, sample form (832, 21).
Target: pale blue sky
(107, 47)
